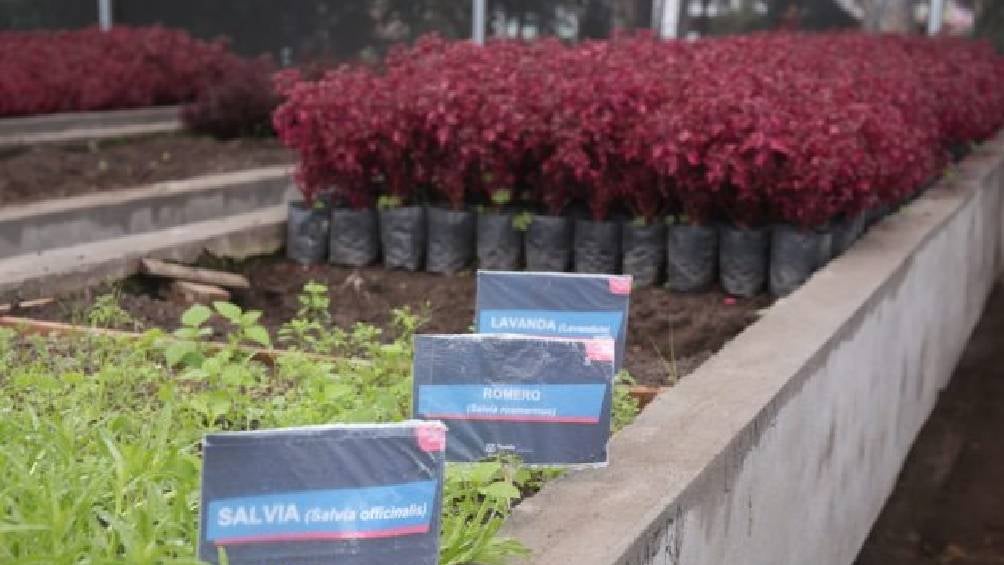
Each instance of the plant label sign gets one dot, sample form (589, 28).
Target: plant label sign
(348, 494)
(567, 305)
(547, 400)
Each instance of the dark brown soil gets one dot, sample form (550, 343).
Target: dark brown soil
(46, 171)
(948, 507)
(662, 326)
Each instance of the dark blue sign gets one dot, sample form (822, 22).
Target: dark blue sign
(566, 305)
(546, 399)
(354, 495)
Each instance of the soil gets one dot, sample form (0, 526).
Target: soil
(46, 171)
(948, 506)
(662, 326)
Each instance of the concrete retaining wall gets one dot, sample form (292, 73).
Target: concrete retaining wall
(72, 221)
(783, 448)
(69, 269)
(53, 247)
(75, 126)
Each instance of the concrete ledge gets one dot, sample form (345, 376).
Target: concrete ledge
(73, 126)
(49, 225)
(71, 268)
(783, 448)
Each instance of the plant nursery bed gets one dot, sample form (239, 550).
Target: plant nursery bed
(149, 430)
(669, 334)
(49, 171)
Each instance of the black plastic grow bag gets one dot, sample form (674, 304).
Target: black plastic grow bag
(742, 260)
(644, 252)
(451, 240)
(307, 230)
(794, 255)
(549, 244)
(597, 247)
(500, 244)
(691, 257)
(402, 237)
(355, 237)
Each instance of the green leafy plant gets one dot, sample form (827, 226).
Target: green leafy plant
(522, 221)
(476, 499)
(625, 407)
(245, 325)
(101, 435)
(501, 197)
(311, 329)
(107, 313)
(497, 200)
(389, 201)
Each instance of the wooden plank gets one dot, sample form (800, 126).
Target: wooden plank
(29, 326)
(184, 292)
(26, 304)
(645, 394)
(164, 269)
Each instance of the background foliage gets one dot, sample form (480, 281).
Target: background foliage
(785, 127)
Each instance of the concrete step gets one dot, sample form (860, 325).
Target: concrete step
(70, 268)
(49, 225)
(77, 126)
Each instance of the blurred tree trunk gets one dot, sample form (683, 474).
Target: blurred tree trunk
(990, 22)
(891, 16)
(632, 14)
(597, 20)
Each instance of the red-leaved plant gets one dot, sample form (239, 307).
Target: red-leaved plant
(89, 69)
(764, 128)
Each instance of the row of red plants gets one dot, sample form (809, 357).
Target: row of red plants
(755, 129)
(127, 67)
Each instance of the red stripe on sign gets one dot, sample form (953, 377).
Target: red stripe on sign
(532, 419)
(600, 349)
(431, 437)
(621, 284)
(325, 536)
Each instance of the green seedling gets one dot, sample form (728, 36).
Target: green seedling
(387, 202)
(625, 406)
(107, 313)
(311, 329)
(521, 222)
(501, 197)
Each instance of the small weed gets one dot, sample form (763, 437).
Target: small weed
(625, 406)
(521, 222)
(107, 313)
(387, 202)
